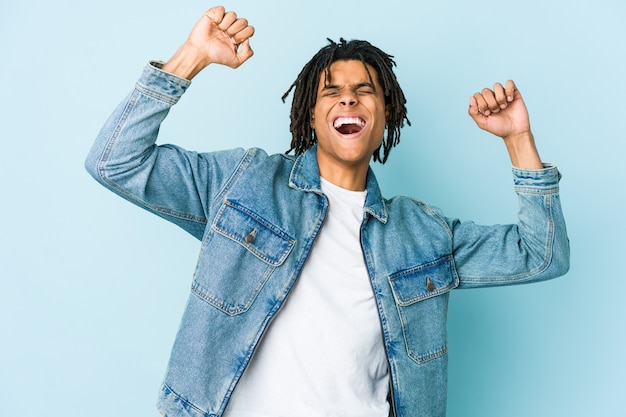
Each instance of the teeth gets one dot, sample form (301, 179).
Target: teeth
(349, 121)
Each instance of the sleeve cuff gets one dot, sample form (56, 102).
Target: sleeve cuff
(545, 179)
(161, 85)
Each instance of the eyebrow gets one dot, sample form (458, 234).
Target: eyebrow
(354, 86)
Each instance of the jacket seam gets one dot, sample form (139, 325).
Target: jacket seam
(145, 90)
(241, 166)
(187, 402)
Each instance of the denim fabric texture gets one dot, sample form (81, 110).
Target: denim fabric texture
(257, 216)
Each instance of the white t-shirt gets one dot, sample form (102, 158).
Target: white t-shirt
(323, 354)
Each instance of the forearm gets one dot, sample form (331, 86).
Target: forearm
(187, 62)
(522, 151)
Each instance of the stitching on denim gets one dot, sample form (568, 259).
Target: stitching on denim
(429, 356)
(155, 94)
(428, 210)
(528, 189)
(241, 166)
(276, 230)
(254, 250)
(421, 267)
(423, 296)
(230, 308)
(416, 357)
(185, 401)
(251, 248)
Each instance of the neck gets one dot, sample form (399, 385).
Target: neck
(353, 180)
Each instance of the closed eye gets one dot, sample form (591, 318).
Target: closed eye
(365, 88)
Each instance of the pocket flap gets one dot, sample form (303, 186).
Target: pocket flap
(264, 240)
(424, 281)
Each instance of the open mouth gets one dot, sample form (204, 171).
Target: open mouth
(349, 125)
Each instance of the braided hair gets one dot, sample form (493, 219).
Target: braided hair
(306, 84)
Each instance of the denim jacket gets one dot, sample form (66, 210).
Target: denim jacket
(257, 216)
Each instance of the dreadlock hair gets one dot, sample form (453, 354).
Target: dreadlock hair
(306, 85)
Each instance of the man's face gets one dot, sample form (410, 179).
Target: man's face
(349, 119)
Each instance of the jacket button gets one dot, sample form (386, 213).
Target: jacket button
(429, 285)
(250, 236)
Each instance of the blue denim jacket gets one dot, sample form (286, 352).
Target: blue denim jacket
(257, 216)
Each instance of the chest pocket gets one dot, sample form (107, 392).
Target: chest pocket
(421, 295)
(238, 255)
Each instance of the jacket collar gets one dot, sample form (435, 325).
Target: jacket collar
(305, 176)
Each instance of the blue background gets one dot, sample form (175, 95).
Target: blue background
(92, 288)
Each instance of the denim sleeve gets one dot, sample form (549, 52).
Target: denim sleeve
(167, 180)
(534, 249)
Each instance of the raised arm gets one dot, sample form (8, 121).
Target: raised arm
(502, 111)
(167, 180)
(537, 247)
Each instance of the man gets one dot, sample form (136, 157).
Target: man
(314, 295)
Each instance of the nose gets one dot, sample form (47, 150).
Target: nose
(348, 98)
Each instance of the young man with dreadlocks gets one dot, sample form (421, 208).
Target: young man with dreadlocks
(314, 295)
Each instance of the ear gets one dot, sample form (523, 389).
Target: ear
(387, 113)
(312, 120)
